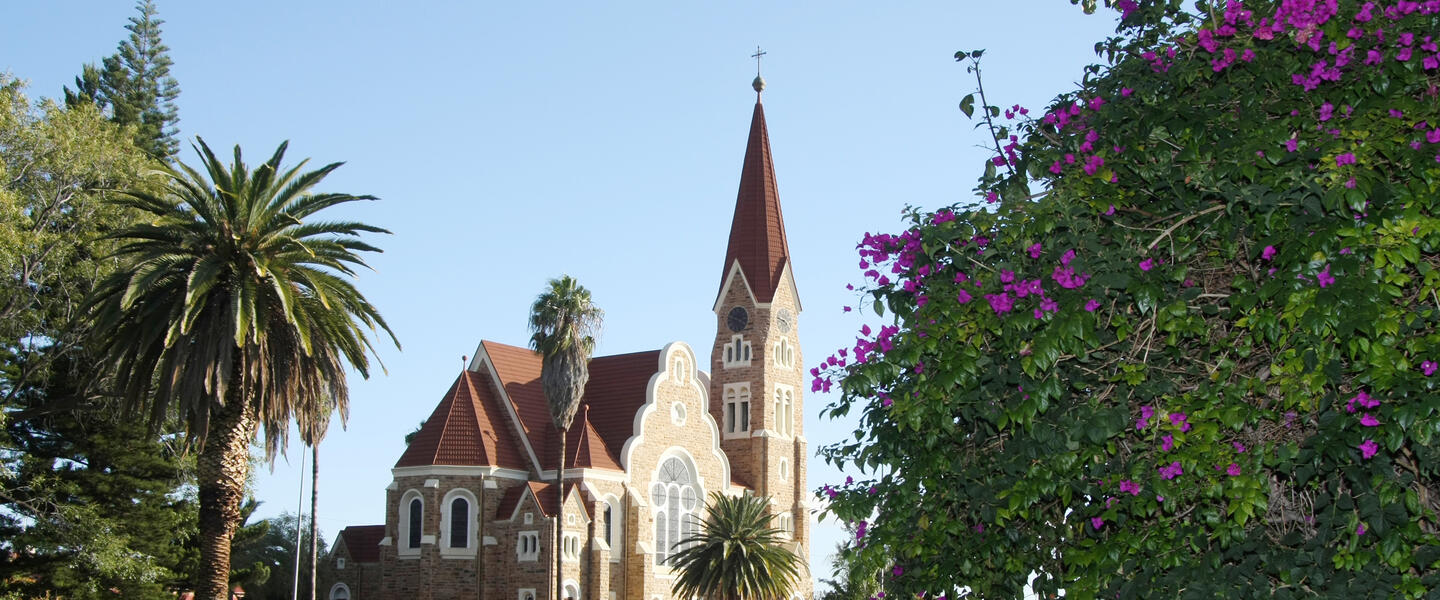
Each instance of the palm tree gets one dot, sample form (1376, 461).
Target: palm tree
(564, 322)
(312, 436)
(736, 555)
(232, 310)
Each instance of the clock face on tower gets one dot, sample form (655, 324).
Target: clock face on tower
(783, 320)
(737, 319)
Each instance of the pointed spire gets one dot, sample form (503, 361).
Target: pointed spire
(757, 233)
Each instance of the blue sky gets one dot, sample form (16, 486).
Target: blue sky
(514, 142)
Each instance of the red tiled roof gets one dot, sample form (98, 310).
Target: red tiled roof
(616, 390)
(583, 446)
(468, 427)
(363, 542)
(757, 234)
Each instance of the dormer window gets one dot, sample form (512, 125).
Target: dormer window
(736, 352)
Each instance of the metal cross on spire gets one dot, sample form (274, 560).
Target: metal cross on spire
(759, 83)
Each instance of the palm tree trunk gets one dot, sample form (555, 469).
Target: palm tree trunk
(221, 470)
(314, 500)
(559, 517)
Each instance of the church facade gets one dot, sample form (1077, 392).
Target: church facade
(471, 509)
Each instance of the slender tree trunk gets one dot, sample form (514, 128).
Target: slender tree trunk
(559, 518)
(221, 470)
(314, 500)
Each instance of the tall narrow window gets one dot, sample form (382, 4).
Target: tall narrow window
(459, 523)
(609, 516)
(417, 513)
(784, 414)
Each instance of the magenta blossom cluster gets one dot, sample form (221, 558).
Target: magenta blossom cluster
(1368, 448)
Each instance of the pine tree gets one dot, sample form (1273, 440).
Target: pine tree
(135, 85)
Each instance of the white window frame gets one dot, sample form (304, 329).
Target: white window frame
(784, 410)
(615, 521)
(403, 547)
(521, 555)
(340, 563)
(526, 594)
(337, 589)
(446, 508)
(571, 584)
(737, 410)
(784, 470)
(785, 522)
(678, 413)
(784, 354)
(685, 520)
(570, 547)
(736, 353)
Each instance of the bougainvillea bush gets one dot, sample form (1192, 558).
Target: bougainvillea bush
(1185, 341)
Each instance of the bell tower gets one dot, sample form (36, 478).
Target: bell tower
(755, 364)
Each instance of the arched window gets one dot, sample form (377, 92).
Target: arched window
(339, 591)
(675, 499)
(416, 517)
(614, 526)
(410, 523)
(459, 523)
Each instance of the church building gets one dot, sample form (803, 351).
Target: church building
(470, 511)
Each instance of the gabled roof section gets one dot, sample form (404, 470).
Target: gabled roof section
(363, 542)
(757, 233)
(543, 494)
(616, 390)
(467, 428)
(584, 448)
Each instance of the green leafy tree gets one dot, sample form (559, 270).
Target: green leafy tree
(854, 579)
(737, 554)
(135, 85)
(272, 553)
(234, 307)
(96, 503)
(564, 321)
(1189, 349)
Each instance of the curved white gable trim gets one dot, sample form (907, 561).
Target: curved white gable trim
(785, 275)
(730, 276)
(699, 383)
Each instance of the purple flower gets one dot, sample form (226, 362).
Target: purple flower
(1268, 253)
(1428, 367)
(1345, 159)
(1292, 145)
(1360, 529)
(1097, 522)
(1369, 420)
(1147, 264)
(1111, 211)
(979, 528)
(963, 297)
(1034, 251)
(1327, 110)
(1092, 304)
(1368, 449)
(1233, 470)
(1125, 92)
(1167, 443)
(1239, 447)
(1007, 276)
(1130, 486)
(1068, 256)
(898, 570)
(1324, 278)
(1171, 471)
(1001, 303)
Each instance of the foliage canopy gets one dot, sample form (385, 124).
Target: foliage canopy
(1187, 347)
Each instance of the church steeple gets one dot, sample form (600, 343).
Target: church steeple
(757, 232)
